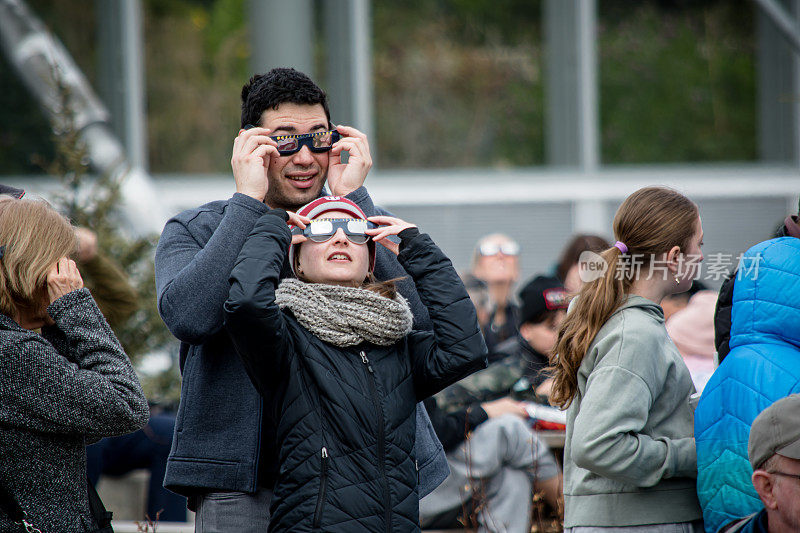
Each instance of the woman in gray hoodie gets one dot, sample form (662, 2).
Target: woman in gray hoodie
(629, 457)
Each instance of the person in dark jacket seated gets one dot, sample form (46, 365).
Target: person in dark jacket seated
(496, 462)
(345, 369)
(517, 366)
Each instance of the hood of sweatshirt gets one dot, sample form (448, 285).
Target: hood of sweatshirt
(766, 295)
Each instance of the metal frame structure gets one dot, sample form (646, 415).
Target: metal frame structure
(574, 174)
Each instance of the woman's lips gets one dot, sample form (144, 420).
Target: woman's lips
(339, 256)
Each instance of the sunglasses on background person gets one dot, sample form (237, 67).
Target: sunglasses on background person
(322, 229)
(493, 248)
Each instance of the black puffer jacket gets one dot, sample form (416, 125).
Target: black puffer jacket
(346, 416)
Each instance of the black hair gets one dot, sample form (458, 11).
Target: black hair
(540, 317)
(278, 86)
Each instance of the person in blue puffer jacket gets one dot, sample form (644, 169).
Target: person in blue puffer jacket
(762, 367)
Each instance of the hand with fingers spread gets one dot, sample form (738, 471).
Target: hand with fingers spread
(344, 178)
(63, 278)
(388, 226)
(301, 222)
(252, 150)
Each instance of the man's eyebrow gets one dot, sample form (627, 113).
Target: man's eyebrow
(285, 129)
(292, 130)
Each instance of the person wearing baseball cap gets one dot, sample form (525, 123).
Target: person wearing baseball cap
(774, 452)
(488, 404)
(345, 367)
(516, 365)
(543, 303)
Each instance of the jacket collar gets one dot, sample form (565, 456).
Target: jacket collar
(6, 322)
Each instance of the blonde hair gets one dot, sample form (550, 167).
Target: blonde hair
(35, 237)
(649, 222)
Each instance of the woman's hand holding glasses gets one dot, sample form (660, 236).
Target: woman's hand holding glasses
(388, 226)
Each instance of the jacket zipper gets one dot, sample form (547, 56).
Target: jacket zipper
(323, 485)
(381, 442)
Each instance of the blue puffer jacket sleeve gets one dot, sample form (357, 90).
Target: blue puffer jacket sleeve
(762, 367)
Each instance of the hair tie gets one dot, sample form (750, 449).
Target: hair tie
(621, 247)
(2, 251)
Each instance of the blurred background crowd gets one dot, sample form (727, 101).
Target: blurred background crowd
(509, 131)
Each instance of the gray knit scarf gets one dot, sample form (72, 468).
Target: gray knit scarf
(346, 316)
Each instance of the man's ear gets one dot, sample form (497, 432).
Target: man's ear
(764, 483)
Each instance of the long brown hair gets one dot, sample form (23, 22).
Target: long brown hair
(34, 237)
(649, 222)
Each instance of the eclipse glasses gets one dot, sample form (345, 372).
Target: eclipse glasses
(491, 248)
(323, 229)
(319, 141)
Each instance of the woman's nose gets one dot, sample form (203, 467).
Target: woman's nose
(340, 236)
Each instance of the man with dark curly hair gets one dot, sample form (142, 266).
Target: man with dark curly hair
(223, 453)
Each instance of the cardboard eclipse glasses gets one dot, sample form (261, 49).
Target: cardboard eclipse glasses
(323, 229)
(317, 142)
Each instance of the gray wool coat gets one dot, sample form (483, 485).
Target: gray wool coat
(59, 390)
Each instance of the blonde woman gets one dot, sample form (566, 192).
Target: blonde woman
(59, 389)
(629, 458)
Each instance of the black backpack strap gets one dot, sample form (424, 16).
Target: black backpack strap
(101, 516)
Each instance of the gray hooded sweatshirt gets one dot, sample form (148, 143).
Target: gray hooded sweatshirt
(629, 457)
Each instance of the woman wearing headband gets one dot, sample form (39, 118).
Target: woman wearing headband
(60, 389)
(629, 457)
(345, 369)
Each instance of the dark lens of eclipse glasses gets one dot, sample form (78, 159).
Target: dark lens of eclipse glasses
(320, 141)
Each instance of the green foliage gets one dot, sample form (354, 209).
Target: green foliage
(23, 127)
(458, 83)
(446, 100)
(197, 61)
(678, 86)
(94, 202)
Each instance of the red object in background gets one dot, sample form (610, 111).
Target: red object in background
(546, 417)
(545, 425)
